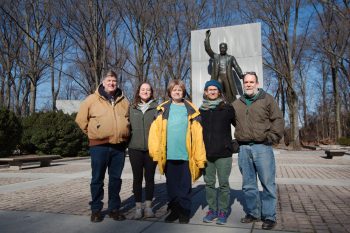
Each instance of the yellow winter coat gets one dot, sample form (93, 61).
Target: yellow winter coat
(194, 139)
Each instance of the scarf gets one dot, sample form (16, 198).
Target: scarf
(210, 104)
(144, 106)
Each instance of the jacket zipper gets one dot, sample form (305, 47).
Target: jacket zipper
(211, 126)
(144, 131)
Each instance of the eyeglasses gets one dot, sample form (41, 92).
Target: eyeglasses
(212, 90)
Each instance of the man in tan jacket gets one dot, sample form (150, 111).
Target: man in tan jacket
(103, 116)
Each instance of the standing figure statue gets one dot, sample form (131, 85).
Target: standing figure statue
(222, 70)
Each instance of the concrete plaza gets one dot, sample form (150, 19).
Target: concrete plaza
(313, 196)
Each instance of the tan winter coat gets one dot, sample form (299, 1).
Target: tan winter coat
(104, 122)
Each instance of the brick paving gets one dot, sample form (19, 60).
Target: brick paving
(312, 208)
(313, 172)
(13, 180)
(62, 167)
(71, 197)
(302, 207)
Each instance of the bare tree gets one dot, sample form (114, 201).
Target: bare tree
(9, 50)
(89, 25)
(332, 41)
(178, 19)
(57, 46)
(139, 20)
(284, 41)
(220, 13)
(16, 85)
(35, 60)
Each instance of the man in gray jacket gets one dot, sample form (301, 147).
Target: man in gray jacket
(259, 124)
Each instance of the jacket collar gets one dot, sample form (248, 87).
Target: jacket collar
(261, 95)
(191, 109)
(118, 96)
(152, 105)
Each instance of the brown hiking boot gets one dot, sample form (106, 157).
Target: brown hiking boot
(249, 219)
(268, 224)
(116, 215)
(96, 217)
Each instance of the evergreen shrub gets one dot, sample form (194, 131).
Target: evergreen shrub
(53, 133)
(344, 141)
(10, 132)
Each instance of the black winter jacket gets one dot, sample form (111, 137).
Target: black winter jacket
(217, 134)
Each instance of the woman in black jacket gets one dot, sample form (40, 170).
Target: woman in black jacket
(217, 118)
(142, 114)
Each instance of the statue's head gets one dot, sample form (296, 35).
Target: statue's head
(223, 48)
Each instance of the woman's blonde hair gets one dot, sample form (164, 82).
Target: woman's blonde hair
(175, 82)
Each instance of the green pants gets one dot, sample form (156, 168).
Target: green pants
(221, 167)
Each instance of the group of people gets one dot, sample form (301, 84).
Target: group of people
(185, 143)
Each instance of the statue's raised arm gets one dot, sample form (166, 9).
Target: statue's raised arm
(207, 44)
(221, 69)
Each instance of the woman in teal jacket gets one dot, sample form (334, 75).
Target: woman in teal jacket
(142, 113)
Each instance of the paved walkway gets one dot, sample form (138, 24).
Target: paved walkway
(313, 196)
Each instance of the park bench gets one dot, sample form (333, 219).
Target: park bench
(17, 161)
(334, 152)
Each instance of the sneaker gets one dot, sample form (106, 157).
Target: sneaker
(211, 216)
(138, 213)
(222, 218)
(249, 219)
(116, 215)
(148, 213)
(96, 217)
(268, 224)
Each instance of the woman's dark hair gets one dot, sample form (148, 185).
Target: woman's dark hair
(137, 98)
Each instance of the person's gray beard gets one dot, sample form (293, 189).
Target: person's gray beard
(255, 91)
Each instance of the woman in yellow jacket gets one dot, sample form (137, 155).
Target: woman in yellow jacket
(176, 143)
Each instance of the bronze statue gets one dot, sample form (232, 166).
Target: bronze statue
(222, 70)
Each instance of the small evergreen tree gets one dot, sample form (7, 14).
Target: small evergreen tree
(10, 132)
(53, 133)
(28, 124)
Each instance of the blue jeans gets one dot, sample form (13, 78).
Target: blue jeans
(103, 157)
(253, 160)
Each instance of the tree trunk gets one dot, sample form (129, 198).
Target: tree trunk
(281, 91)
(324, 103)
(293, 112)
(32, 97)
(53, 87)
(2, 90)
(8, 93)
(338, 132)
